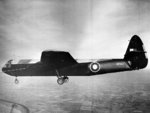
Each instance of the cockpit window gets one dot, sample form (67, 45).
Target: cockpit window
(8, 64)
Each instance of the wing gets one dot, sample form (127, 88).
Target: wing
(57, 59)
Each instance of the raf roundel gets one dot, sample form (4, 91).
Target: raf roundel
(94, 67)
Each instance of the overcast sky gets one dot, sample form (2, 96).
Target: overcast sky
(85, 28)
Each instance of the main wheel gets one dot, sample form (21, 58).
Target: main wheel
(60, 81)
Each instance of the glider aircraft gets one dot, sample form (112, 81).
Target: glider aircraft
(62, 64)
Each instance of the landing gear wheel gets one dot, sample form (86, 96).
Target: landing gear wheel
(16, 81)
(60, 81)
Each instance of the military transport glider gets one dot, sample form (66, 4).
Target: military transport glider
(62, 64)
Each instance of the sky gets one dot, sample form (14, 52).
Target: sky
(85, 28)
(88, 29)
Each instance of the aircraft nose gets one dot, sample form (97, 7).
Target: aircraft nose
(3, 69)
(6, 67)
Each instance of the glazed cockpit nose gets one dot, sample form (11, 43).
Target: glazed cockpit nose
(4, 69)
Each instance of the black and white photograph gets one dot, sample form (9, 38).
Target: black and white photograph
(74, 56)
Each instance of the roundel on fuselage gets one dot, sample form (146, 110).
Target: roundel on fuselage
(94, 67)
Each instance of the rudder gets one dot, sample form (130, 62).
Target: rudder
(135, 53)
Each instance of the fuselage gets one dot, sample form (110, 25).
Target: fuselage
(79, 69)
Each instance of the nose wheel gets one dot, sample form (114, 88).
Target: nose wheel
(16, 81)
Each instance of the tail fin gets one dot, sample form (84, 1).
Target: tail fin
(135, 53)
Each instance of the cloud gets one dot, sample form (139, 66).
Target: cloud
(38, 24)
